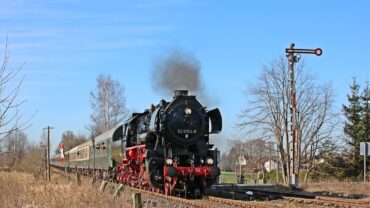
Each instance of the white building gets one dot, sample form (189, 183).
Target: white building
(270, 165)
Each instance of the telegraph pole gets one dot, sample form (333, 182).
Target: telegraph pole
(240, 164)
(293, 55)
(270, 146)
(48, 155)
(93, 141)
(277, 163)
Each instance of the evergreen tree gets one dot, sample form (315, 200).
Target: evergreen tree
(353, 128)
(365, 116)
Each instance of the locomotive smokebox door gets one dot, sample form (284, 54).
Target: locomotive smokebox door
(216, 120)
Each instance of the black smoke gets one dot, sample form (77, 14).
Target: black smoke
(178, 70)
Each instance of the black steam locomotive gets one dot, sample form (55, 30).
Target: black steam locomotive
(167, 148)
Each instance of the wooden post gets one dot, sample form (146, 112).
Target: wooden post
(365, 164)
(48, 159)
(103, 186)
(65, 170)
(93, 180)
(78, 178)
(48, 153)
(93, 141)
(118, 190)
(136, 200)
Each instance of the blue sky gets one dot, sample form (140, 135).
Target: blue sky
(66, 44)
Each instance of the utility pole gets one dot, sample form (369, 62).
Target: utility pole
(277, 163)
(240, 164)
(48, 155)
(294, 55)
(270, 161)
(93, 141)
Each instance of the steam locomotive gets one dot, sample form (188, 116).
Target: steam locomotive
(165, 148)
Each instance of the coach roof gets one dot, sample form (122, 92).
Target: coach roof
(106, 135)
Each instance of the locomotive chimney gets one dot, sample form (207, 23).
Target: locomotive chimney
(180, 93)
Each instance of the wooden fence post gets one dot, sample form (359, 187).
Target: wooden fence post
(118, 190)
(93, 180)
(103, 186)
(78, 179)
(136, 199)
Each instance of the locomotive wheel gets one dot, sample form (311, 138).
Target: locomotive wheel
(154, 168)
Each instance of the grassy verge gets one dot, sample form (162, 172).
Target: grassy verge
(24, 190)
(250, 178)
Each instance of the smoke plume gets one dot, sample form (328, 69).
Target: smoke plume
(177, 70)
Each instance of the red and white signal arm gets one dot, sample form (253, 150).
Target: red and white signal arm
(61, 149)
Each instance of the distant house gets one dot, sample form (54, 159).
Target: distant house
(255, 164)
(270, 165)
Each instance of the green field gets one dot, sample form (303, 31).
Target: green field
(230, 177)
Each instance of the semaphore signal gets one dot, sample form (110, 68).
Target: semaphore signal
(293, 55)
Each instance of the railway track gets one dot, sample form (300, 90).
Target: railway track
(238, 203)
(206, 202)
(300, 200)
(353, 201)
(331, 202)
(217, 202)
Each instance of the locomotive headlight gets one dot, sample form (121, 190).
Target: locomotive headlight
(187, 111)
(169, 161)
(209, 161)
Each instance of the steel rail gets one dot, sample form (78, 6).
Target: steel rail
(239, 203)
(324, 201)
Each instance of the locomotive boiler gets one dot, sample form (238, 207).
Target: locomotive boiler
(167, 147)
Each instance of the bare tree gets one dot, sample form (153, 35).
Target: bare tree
(70, 140)
(229, 160)
(108, 104)
(11, 118)
(253, 150)
(267, 112)
(15, 144)
(33, 159)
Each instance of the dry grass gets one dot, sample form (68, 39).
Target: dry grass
(24, 190)
(340, 189)
(27, 191)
